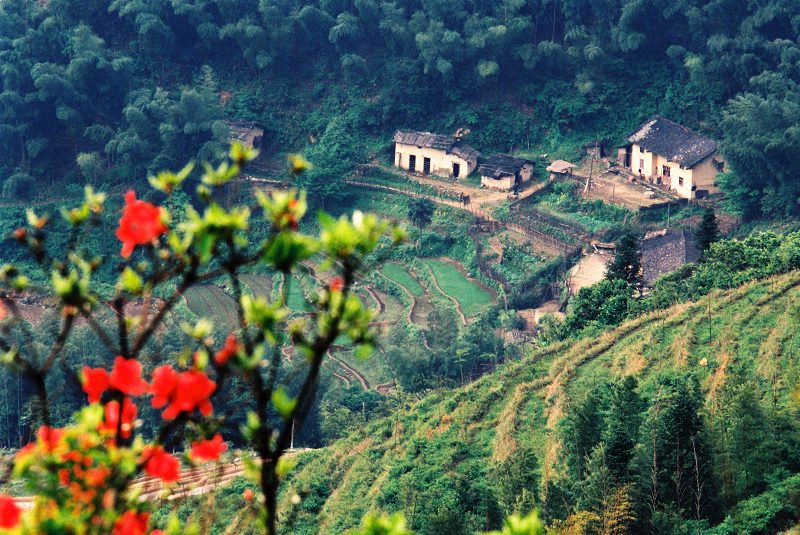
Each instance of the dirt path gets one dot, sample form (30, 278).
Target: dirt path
(481, 197)
(381, 306)
(589, 270)
(421, 306)
(543, 242)
(350, 370)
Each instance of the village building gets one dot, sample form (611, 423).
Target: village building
(560, 169)
(674, 156)
(504, 172)
(664, 251)
(248, 133)
(434, 154)
(595, 149)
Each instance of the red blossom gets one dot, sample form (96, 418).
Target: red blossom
(165, 379)
(9, 512)
(49, 437)
(248, 495)
(25, 450)
(161, 464)
(112, 417)
(208, 450)
(228, 350)
(186, 392)
(96, 477)
(131, 523)
(337, 284)
(141, 223)
(126, 376)
(95, 382)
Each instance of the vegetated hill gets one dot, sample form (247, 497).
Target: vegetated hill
(458, 460)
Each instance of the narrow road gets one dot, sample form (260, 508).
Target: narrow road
(482, 198)
(538, 238)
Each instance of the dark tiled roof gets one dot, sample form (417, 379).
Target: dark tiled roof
(675, 142)
(500, 165)
(665, 252)
(449, 144)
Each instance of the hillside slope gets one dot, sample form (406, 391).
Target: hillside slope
(443, 460)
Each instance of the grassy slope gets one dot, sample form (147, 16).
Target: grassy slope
(469, 295)
(453, 436)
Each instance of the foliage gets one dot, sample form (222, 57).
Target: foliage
(654, 385)
(420, 211)
(627, 263)
(81, 475)
(532, 74)
(708, 231)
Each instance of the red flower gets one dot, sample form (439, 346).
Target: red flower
(208, 450)
(95, 382)
(161, 464)
(337, 284)
(9, 512)
(131, 523)
(96, 477)
(228, 350)
(141, 223)
(112, 420)
(165, 379)
(189, 392)
(248, 495)
(49, 437)
(126, 376)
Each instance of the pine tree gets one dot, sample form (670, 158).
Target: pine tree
(708, 231)
(627, 263)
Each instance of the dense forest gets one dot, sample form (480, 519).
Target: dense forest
(104, 92)
(671, 409)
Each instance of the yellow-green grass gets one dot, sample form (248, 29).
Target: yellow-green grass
(454, 438)
(401, 276)
(470, 296)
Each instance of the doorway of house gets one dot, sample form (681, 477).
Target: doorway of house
(426, 166)
(456, 170)
(412, 163)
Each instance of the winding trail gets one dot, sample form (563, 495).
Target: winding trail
(352, 371)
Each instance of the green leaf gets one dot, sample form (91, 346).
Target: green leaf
(130, 281)
(241, 154)
(283, 403)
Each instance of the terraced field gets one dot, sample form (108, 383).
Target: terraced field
(260, 285)
(401, 276)
(453, 440)
(214, 303)
(472, 298)
(421, 305)
(296, 299)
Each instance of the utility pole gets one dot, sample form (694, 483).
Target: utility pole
(591, 170)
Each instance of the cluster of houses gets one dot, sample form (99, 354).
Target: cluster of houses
(448, 156)
(659, 151)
